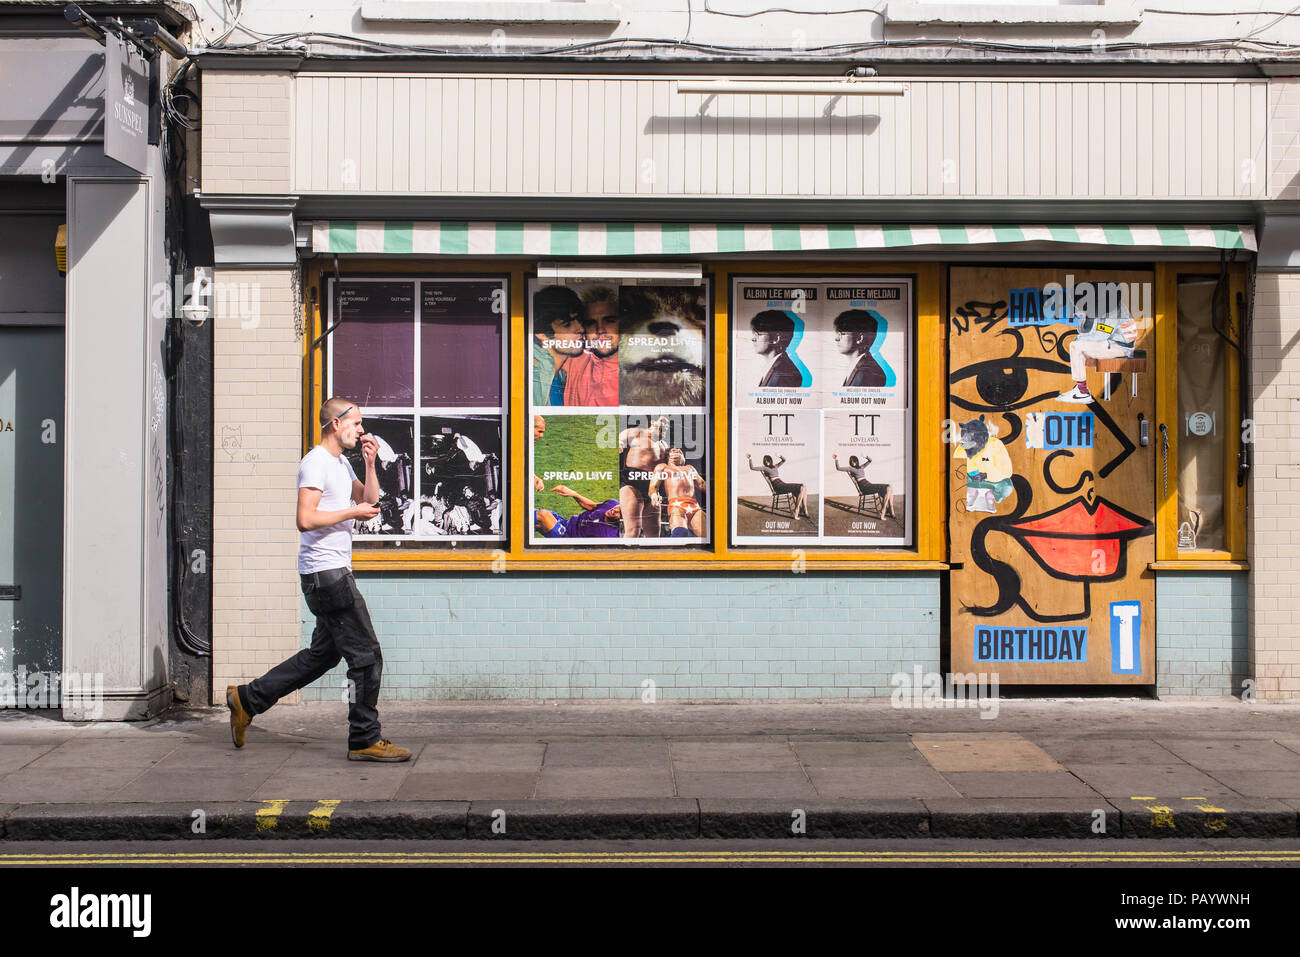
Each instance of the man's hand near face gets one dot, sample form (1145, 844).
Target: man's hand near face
(369, 449)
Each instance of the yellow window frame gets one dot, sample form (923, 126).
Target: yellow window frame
(930, 349)
(1168, 557)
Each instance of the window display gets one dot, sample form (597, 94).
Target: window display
(821, 411)
(618, 400)
(440, 461)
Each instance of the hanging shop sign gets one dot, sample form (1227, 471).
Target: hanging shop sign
(126, 104)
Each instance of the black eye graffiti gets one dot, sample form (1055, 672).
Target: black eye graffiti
(1003, 382)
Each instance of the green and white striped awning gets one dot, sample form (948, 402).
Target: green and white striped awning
(693, 239)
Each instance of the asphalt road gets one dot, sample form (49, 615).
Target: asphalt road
(932, 853)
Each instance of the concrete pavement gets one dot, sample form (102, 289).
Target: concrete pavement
(1091, 768)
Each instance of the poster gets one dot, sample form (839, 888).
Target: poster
(638, 479)
(460, 478)
(460, 343)
(441, 449)
(559, 334)
(665, 346)
(776, 354)
(863, 330)
(865, 474)
(394, 467)
(372, 351)
(822, 376)
(778, 480)
(618, 395)
(604, 344)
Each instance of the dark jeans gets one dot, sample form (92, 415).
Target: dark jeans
(343, 630)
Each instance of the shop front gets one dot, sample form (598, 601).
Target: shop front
(764, 455)
(671, 434)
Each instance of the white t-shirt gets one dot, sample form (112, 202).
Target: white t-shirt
(329, 547)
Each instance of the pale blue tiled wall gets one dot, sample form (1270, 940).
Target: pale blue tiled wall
(600, 636)
(1201, 633)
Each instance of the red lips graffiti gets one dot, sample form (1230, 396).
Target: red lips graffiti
(1081, 542)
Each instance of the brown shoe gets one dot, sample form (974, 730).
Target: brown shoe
(239, 718)
(381, 750)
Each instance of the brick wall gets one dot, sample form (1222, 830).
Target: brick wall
(1275, 492)
(247, 140)
(601, 636)
(257, 385)
(1284, 138)
(1202, 643)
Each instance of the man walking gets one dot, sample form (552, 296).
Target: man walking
(327, 485)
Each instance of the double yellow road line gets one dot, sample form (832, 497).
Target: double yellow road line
(704, 856)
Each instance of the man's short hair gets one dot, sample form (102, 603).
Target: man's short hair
(857, 320)
(555, 302)
(599, 294)
(774, 322)
(332, 408)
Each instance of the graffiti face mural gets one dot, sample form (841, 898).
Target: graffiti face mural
(1052, 500)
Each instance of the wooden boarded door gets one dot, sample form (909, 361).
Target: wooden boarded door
(1052, 498)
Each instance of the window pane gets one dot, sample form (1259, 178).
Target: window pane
(460, 477)
(460, 343)
(440, 462)
(1202, 356)
(394, 467)
(821, 412)
(634, 474)
(372, 357)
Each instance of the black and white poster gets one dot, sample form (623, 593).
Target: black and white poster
(424, 359)
(460, 478)
(395, 468)
(865, 474)
(777, 480)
